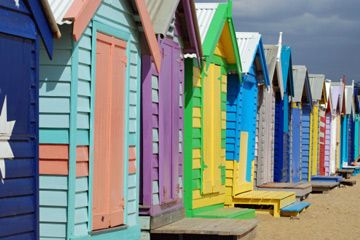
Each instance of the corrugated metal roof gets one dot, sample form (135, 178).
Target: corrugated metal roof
(349, 99)
(316, 84)
(59, 9)
(301, 82)
(248, 43)
(271, 52)
(161, 13)
(205, 13)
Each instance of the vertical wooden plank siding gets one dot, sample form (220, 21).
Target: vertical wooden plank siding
(322, 141)
(314, 140)
(344, 140)
(328, 164)
(296, 143)
(305, 142)
(108, 208)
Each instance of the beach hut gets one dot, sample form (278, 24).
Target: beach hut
(336, 95)
(264, 159)
(242, 105)
(327, 107)
(24, 25)
(347, 153)
(162, 112)
(356, 121)
(318, 96)
(302, 96)
(205, 114)
(282, 117)
(90, 120)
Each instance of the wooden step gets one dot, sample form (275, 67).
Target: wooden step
(233, 213)
(356, 169)
(302, 190)
(270, 201)
(323, 186)
(294, 209)
(326, 178)
(209, 229)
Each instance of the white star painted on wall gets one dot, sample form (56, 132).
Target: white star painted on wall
(6, 129)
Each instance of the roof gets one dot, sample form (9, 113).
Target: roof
(216, 25)
(336, 96)
(248, 43)
(286, 65)
(59, 8)
(79, 13)
(161, 13)
(327, 93)
(205, 13)
(251, 50)
(317, 83)
(301, 83)
(270, 55)
(349, 99)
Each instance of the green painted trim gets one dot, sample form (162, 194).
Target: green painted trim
(216, 60)
(130, 233)
(100, 27)
(72, 142)
(188, 135)
(235, 46)
(203, 75)
(215, 30)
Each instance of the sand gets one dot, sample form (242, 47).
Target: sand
(335, 215)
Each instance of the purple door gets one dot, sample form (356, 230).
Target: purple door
(169, 123)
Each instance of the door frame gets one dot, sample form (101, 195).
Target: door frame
(125, 36)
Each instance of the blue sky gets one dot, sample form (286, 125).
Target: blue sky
(324, 34)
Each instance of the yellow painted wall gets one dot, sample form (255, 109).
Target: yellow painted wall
(212, 119)
(314, 140)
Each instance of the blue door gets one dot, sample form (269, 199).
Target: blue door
(18, 138)
(279, 142)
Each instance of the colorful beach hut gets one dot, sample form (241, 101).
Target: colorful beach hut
(347, 140)
(242, 105)
(328, 117)
(282, 117)
(356, 121)
(205, 114)
(264, 159)
(23, 27)
(318, 97)
(336, 96)
(302, 96)
(90, 120)
(162, 113)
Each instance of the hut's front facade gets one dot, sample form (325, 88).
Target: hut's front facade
(282, 117)
(264, 163)
(327, 108)
(347, 128)
(90, 121)
(205, 114)
(162, 115)
(302, 96)
(23, 27)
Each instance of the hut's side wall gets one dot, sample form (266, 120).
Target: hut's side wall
(305, 139)
(314, 140)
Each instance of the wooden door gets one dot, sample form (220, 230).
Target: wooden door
(108, 183)
(169, 84)
(211, 175)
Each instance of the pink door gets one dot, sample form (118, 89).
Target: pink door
(108, 183)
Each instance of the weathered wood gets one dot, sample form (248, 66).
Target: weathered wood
(302, 190)
(166, 218)
(203, 226)
(323, 187)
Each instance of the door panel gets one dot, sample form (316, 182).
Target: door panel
(212, 130)
(108, 186)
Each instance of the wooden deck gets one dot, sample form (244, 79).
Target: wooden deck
(345, 173)
(323, 186)
(203, 228)
(302, 190)
(233, 213)
(271, 201)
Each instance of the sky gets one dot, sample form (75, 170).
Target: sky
(324, 35)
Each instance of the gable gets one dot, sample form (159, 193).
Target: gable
(302, 91)
(286, 65)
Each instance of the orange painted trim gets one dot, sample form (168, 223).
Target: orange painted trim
(149, 33)
(132, 160)
(54, 160)
(81, 12)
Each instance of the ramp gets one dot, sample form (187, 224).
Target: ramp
(294, 209)
(270, 201)
(302, 190)
(209, 229)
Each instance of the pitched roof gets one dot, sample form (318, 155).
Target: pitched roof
(270, 55)
(286, 65)
(317, 83)
(161, 13)
(79, 13)
(336, 96)
(349, 99)
(301, 83)
(215, 25)
(328, 93)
